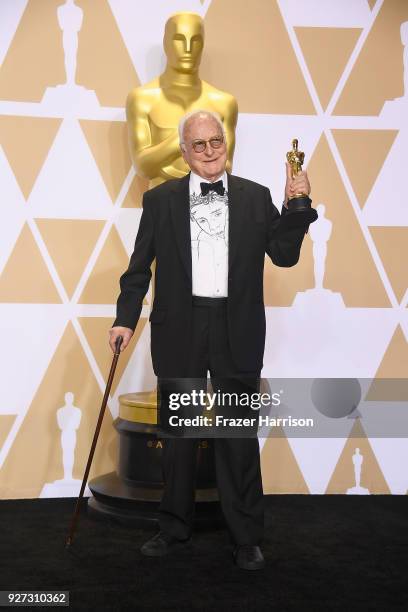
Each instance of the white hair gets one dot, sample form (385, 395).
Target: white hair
(198, 113)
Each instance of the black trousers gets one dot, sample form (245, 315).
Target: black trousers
(237, 460)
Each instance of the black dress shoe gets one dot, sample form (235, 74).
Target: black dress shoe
(161, 544)
(249, 557)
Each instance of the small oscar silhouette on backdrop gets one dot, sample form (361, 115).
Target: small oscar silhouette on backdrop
(70, 97)
(69, 420)
(357, 463)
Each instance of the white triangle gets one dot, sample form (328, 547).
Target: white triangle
(127, 223)
(31, 333)
(11, 12)
(69, 185)
(272, 136)
(142, 30)
(319, 342)
(326, 13)
(387, 202)
(317, 459)
(12, 210)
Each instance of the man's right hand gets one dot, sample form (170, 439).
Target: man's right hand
(126, 334)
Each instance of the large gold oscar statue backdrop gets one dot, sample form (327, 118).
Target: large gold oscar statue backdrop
(154, 110)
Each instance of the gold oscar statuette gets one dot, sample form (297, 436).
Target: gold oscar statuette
(299, 212)
(299, 201)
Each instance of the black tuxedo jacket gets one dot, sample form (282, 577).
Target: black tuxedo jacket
(255, 228)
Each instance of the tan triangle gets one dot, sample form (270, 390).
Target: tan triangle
(394, 365)
(134, 196)
(103, 60)
(258, 66)
(30, 464)
(280, 470)
(371, 3)
(343, 477)
(326, 52)
(35, 58)
(392, 245)
(108, 142)
(70, 243)
(363, 153)
(282, 284)
(96, 332)
(350, 268)
(25, 277)
(102, 286)
(377, 75)
(6, 423)
(26, 142)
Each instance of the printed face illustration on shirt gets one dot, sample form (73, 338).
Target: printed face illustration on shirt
(210, 213)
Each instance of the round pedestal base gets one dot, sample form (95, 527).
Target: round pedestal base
(133, 505)
(133, 492)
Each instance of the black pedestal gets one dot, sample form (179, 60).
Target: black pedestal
(132, 494)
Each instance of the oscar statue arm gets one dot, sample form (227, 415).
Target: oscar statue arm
(149, 159)
(134, 283)
(283, 241)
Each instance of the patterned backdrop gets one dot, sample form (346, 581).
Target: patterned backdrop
(329, 72)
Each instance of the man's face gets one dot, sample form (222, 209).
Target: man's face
(183, 42)
(210, 163)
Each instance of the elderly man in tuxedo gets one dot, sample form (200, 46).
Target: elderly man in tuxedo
(209, 232)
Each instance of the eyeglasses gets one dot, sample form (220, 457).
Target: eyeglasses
(200, 145)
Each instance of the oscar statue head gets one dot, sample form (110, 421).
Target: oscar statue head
(183, 41)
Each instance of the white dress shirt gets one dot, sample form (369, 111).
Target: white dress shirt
(209, 239)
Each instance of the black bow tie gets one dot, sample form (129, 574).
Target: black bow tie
(207, 187)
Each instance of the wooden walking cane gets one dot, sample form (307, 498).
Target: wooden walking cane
(75, 516)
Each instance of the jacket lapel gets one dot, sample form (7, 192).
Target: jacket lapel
(237, 211)
(180, 214)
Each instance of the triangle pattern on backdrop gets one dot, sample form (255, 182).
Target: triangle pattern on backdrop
(104, 64)
(6, 423)
(266, 59)
(70, 243)
(362, 94)
(343, 477)
(280, 470)
(282, 284)
(108, 142)
(35, 59)
(96, 332)
(26, 142)
(25, 277)
(134, 196)
(392, 245)
(394, 365)
(348, 258)
(102, 286)
(69, 184)
(363, 153)
(68, 372)
(338, 44)
(12, 210)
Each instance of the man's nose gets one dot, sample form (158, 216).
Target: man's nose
(208, 149)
